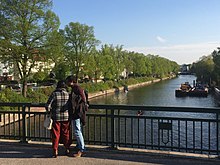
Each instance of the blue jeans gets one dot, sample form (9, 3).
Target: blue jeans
(79, 136)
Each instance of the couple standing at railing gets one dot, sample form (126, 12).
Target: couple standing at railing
(65, 109)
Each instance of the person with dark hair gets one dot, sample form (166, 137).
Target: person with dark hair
(78, 104)
(58, 106)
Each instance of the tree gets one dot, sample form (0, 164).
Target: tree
(118, 58)
(148, 64)
(204, 69)
(56, 51)
(129, 63)
(140, 68)
(61, 70)
(107, 61)
(27, 25)
(216, 60)
(80, 41)
(56, 54)
(93, 65)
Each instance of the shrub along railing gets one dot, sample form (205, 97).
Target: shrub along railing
(183, 129)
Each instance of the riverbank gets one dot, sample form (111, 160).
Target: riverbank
(110, 91)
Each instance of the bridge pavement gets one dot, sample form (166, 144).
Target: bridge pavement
(14, 153)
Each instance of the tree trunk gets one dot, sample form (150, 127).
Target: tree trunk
(24, 88)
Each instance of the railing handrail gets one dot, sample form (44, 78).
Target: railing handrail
(131, 107)
(23, 104)
(157, 108)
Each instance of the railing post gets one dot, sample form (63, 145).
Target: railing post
(218, 133)
(24, 132)
(112, 129)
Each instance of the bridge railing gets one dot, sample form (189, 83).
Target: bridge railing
(183, 129)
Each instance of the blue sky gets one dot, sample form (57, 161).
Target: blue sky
(179, 30)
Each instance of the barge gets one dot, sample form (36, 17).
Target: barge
(187, 90)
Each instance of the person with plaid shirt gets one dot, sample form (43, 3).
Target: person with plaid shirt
(57, 106)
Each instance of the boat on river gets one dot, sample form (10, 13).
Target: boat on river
(183, 90)
(186, 89)
(199, 91)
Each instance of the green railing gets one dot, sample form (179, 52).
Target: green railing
(183, 129)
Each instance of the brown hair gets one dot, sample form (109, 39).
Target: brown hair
(61, 84)
(71, 79)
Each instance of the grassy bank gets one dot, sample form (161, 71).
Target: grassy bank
(95, 89)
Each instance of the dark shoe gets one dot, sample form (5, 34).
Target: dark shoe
(55, 153)
(67, 151)
(79, 154)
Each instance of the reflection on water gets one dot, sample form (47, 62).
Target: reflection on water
(158, 94)
(190, 133)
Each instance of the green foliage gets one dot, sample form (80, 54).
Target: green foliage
(33, 96)
(7, 95)
(46, 91)
(204, 69)
(80, 41)
(95, 87)
(3, 97)
(36, 97)
(23, 40)
(41, 95)
(61, 70)
(39, 76)
(216, 71)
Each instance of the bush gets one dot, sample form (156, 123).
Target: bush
(12, 96)
(41, 95)
(37, 97)
(3, 97)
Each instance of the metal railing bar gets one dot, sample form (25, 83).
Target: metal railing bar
(132, 134)
(201, 135)
(100, 130)
(194, 135)
(125, 130)
(119, 125)
(162, 118)
(186, 134)
(209, 136)
(171, 135)
(152, 132)
(94, 130)
(158, 134)
(145, 132)
(156, 108)
(138, 130)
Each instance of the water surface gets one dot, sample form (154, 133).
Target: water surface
(158, 94)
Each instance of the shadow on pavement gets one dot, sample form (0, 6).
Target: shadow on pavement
(150, 158)
(19, 150)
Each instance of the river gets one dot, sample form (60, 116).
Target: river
(158, 94)
(163, 94)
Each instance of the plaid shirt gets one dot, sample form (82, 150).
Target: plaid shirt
(57, 105)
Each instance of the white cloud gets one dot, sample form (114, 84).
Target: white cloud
(160, 39)
(182, 54)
